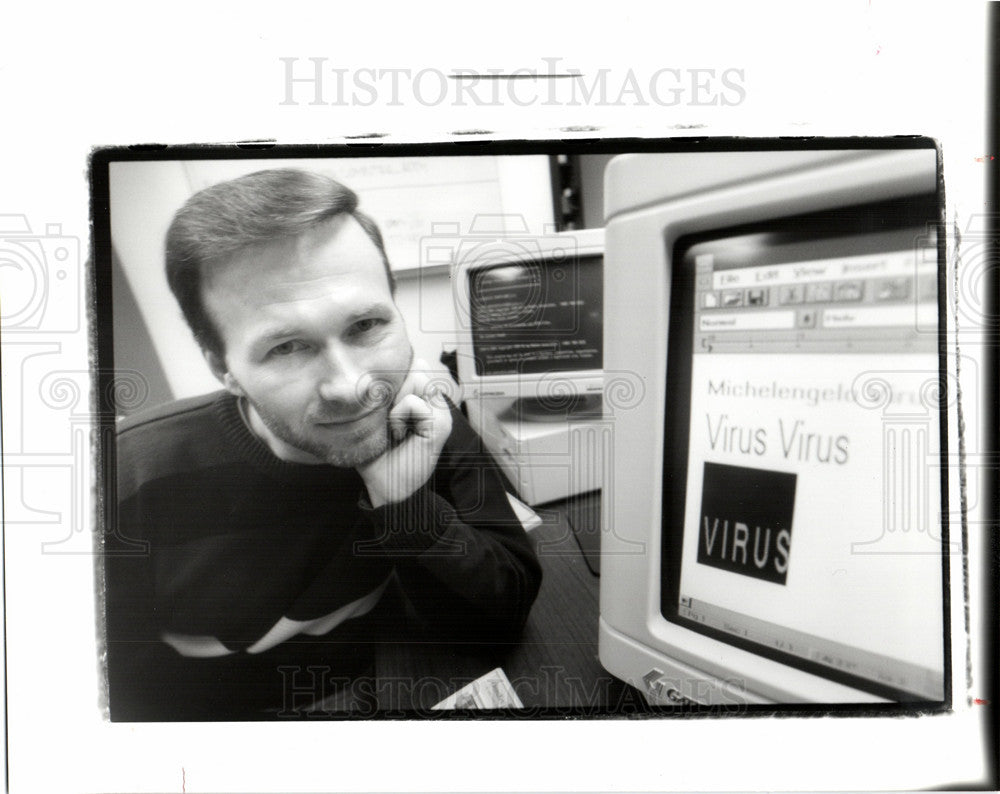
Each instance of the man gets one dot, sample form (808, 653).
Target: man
(287, 520)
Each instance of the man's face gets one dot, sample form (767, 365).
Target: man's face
(314, 341)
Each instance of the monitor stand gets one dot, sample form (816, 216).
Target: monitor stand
(554, 457)
(579, 407)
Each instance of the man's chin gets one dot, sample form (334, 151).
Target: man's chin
(359, 452)
(346, 446)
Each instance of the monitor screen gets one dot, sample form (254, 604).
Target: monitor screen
(535, 317)
(803, 442)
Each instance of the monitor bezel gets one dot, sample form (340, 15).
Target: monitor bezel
(841, 223)
(646, 211)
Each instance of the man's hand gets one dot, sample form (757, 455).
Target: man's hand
(419, 424)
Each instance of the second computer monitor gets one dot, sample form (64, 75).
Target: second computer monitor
(530, 321)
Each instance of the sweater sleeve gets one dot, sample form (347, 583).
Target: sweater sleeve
(464, 561)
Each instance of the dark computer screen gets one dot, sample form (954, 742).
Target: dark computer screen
(802, 513)
(535, 317)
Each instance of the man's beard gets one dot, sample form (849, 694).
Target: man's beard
(363, 450)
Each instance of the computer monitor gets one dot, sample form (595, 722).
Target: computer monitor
(529, 315)
(773, 527)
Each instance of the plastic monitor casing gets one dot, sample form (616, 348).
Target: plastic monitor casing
(652, 200)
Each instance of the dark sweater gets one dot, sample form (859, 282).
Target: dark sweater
(215, 540)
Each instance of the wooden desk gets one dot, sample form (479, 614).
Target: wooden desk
(554, 666)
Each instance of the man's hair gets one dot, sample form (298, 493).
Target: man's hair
(221, 221)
